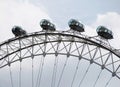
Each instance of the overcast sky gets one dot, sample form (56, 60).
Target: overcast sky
(28, 13)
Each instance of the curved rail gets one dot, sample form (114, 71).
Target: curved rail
(16, 47)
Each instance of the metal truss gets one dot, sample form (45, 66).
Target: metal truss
(56, 43)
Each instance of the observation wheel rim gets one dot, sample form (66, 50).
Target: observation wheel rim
(67, 34)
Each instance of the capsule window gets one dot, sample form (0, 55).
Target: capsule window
(76, 25)
(104, 32)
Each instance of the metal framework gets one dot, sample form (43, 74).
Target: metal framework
(74, 44)
(56, 43)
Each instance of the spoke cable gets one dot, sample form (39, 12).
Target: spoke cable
(20, 75)
(11, 79)
(84, 75)
(97, 78)
(40, 65)
(76, 70)
(54, 72)
(40, 73)
(62, 72)
(108, 81)
(32, 73)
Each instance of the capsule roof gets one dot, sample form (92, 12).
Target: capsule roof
(47, 25)
(104, 32)
(76, 25)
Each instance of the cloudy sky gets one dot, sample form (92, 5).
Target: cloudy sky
(28, 13)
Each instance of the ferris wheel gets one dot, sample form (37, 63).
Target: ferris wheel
(51, 58)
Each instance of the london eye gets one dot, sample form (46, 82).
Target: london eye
(52, 58)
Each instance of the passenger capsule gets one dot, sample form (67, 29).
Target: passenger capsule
(76, 25)
(104, 32)
(18, 31)
(47, 25)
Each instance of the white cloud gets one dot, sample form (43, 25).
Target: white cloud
(111, 20)
(23, 14)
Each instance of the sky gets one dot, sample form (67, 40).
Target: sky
(28, 13)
